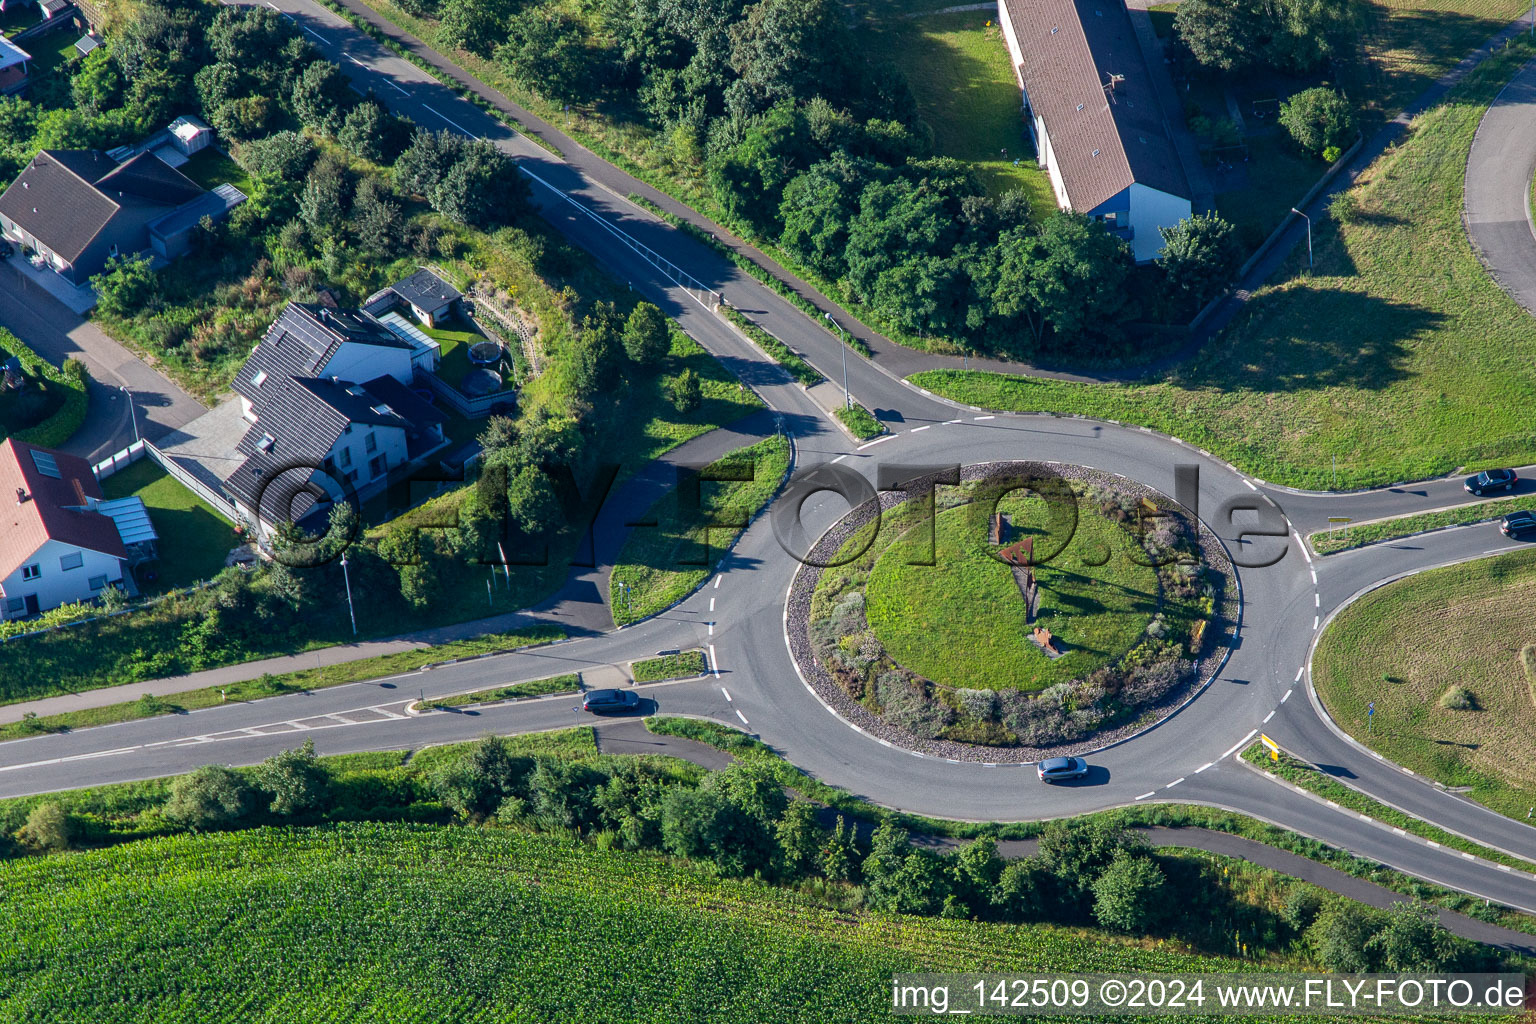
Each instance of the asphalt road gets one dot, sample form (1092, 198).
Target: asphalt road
(56, 333)
(738, 615)
(1497, 202)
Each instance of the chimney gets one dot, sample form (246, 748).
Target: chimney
(21, 495)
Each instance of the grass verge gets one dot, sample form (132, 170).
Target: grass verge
(269, 685)
(775, 349)
(1400, 357)
(860, 422)
(1331, 542)
(660, 565)
(1405, 645)
(533, 688)
(1312, 779)
(683, 665)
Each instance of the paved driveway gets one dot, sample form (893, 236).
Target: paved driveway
(56, 333)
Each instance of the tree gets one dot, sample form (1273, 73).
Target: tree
(212, 795)
(532, 503)
(791, 50)
(476, 782)
(1318, 119)
(426, 160)
(1411, 940)
(1129, 895)
(1290, 35)
(545, 50)
(1222, 34)
(245, 117)
(1339, 937)
(362, 131)
(749, 177)
(281, 156)
(249, 37)
(296, 779)
(216, 84)
(98, 84)
(1077, 279)
(1024, 890)
(705, 824)
(482, 188)
(48, 827)
(1200, 254)
(1075, 853)
(321, 96)
(647, 339)
(977, 871)
(327, 192)
(817, 208)
(686, 392)
(799, 838)
(837, 857)
(474, 25)
(376, 218)
(125, 286)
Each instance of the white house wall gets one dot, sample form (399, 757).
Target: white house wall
(362, 363)
(1150, 210)
(391, 444)
(56, 586)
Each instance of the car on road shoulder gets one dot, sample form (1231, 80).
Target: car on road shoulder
(1053, 769)
(602, 701)
(1490, 480)
(1517, 523)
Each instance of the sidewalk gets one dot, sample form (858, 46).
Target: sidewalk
(231, 674)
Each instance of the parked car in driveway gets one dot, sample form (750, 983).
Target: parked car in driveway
(1518, 524)
(1490, 480)
(1054, 769)
(607, 701)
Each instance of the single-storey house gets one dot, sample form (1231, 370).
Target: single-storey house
(431, 299)
(79, 209)
(59, 541)
(1098, 127)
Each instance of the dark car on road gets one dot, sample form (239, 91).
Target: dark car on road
(1491, 480)
(607, 701)
(1517, 524)
(1053, 769)
(6, 252)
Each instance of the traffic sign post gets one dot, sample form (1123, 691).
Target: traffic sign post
(1271, 746)
(1370, 716)
(1332, 520)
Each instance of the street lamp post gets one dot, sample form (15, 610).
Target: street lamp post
(1309, 234)
(847, 401)
(132, 413)
(347, 579)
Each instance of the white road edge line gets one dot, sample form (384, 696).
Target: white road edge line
(878, 440)
(450, 120)
(915, 430)
(980, 418)
(317, 35)
(1239, 744)
(840, 458)
(714, 661)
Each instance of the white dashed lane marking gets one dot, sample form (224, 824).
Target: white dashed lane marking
(1145, 795)
(1175, 782)
(714, 661)
(717, 582)
(743, 718)
(1268, 717)
(726, 692)
(1287, 696)
(1204, 767)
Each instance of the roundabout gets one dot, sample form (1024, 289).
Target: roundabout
(1029, 610)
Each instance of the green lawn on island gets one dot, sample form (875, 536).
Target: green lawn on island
(961, 621)
(194, 539)
(1400, 358)
(959, 71)
(1404, 645)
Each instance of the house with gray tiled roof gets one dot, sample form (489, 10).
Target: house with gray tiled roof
(328, 408)
(78, 209)
(1099, 129)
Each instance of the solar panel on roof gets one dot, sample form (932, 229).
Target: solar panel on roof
(46, 464)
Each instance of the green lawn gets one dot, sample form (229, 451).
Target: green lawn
(194, 539)
(860, 421)
(961, 621)
(1405, 645)
(659, 565)
(211, 168)
(454, 344)
(1328, 542)
(1400, 358)
(958, 68)
(683, 665)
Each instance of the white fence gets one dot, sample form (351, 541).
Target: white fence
(120, 460)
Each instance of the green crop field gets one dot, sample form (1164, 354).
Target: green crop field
(1404, 645)
(660, 565)
(1400, 357)
(960, 622)
(368, 922)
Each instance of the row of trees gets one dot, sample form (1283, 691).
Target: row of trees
(1294, 36)
(739, 821)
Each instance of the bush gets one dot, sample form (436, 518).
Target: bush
(1129, 895)
(647, 339)
(686, 392)
(1200, 254)
(296, 779)
(1458, 698)
(125, 286)
(212, 795)
(1318, 118)
(280, 157)
(48, 827)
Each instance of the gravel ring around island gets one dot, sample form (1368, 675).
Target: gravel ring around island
(803, 587)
